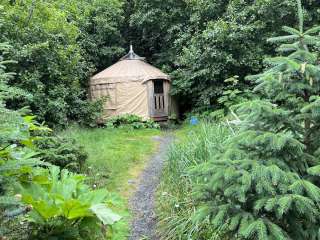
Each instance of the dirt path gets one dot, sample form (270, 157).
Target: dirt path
(142, 202)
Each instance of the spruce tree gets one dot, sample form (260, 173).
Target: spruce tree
(263, 185)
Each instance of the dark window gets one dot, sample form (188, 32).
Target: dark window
(158, 86)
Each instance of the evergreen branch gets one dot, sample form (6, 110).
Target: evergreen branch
(256, 228)
(300, 15)
(288, 47)
(303, 56)
(283, 39)
(8, 201)
(291, 30)
(313, 30)
(277, 232)
(311, 40)
(315, 171)
(292, 64)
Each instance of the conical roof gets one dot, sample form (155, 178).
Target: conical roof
(131, 67)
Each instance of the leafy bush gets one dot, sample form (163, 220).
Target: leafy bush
(16, 154)
(58, 45)
(64, 207)
(17, 159)
(231, 95)
(202, 43)
(87, 113)
(60, 205)
(130, 120)
(62, 152)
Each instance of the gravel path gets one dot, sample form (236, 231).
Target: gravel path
(142, 202)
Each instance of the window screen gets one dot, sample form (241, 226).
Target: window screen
(158, 86)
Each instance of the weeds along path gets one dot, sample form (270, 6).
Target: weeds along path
(143, 201)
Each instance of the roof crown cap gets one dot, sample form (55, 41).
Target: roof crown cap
(132, 55)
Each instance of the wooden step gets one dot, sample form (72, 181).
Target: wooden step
(160, 118)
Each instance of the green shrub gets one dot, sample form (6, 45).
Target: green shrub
(60, 205)
(87, 113)
(261, 182)
(17, 156)
(17, 159)
(62, 152)
(124, 119)
(58, 45)
(64, 207)
(130, 120)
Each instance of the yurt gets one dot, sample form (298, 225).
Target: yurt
(132, 86)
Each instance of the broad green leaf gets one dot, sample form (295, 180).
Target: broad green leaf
(73, 209)
(105, 214)
(45, 209)
(94, 197)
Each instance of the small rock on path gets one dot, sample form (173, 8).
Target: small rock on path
(143, 201)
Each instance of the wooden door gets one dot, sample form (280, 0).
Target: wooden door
(159, 99)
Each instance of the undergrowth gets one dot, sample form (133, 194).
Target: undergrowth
(176, 205)
(129, 121)
(116, 157)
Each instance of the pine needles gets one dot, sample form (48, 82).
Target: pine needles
(259, 186)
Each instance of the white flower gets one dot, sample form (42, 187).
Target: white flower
(18, 197)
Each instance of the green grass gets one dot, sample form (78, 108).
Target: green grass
(176, 204)
(115, 156)
(114, 153)
(183, 133)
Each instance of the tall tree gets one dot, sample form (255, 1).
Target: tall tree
(202, 43)
(58, 45)
(261, 186)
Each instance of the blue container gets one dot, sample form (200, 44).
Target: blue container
(194, 121)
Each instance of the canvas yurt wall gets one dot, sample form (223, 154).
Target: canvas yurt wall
(122, 98)
(129, 88)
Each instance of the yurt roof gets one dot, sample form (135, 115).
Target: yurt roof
(131, 67)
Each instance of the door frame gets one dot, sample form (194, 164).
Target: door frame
(151, 100)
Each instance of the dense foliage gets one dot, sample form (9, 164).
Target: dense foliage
(261, 182)
(202, 43)
(62, 152)
(253, 177)
(130, 120)
(37, 200)
(64, 207)
(58, 44)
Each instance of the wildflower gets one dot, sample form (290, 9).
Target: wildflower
(18, 197)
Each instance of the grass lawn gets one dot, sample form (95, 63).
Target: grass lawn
(116, 156)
